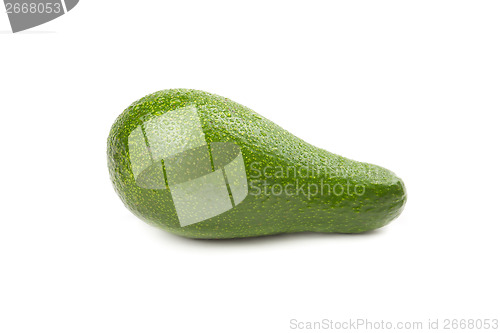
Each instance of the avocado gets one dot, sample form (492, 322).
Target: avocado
(202, 166)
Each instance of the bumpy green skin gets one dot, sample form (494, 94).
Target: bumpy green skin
(264, 144)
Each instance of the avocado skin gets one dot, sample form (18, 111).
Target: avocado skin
(262, 143)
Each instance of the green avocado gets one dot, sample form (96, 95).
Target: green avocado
(202, 166)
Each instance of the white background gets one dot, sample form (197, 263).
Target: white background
(409, 85)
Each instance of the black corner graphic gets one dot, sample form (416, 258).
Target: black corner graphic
(26, 14)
